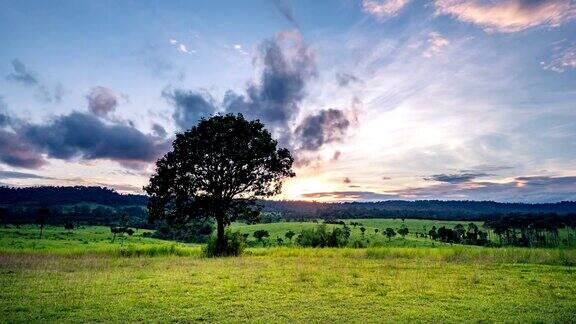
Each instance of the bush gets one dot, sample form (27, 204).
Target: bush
(197, 231)
(235, 245)
(322, 237)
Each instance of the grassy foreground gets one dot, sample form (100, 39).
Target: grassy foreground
(82, 276)
(290, 284)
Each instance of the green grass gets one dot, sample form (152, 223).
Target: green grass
(370, 237)
(289, 285)
(81, 276)
(86, 240)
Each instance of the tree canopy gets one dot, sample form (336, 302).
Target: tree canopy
(218, 169)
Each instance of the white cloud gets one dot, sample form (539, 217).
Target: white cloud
(383, 8)
(509, 16)
(436, 43)
(180, 47)
(564, 59)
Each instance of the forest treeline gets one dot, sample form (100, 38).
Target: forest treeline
(21, 199)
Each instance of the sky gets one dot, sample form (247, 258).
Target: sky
(376, 99)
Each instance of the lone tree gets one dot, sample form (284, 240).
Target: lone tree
(42, 218)
(390, 233)
(289, 235)
(260, 235)
(403, 230)
(217, 169)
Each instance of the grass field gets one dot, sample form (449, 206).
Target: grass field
(370, 236)
(63, 278)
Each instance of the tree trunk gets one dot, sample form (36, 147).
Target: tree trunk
(41, 230)
(220, 240)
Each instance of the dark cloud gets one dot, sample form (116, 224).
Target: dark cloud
(21, 74)
(326, 126)
(347, 180)
(159, 130)
(386, 178)
(16, 151)
(345, 79)
(350, 195)
(455, 178)
(20, 175)
(190, 106)
(287, 64)
(4, 118)
(522, 189)
(336, 156)
(84, 136)
(287, 10)
(102, 101)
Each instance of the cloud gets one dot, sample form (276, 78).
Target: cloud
(20, 175)
(84, 136)
(383, 9)
(159, 130)
(563, 60)
(15, 151)
(509, 16)
(102, 101)
(455, 178)
(287, 64)
(190, 106)
(336, 156)
(180, 47)
(4, 118)
(436, 43)
(349, 195)
(286, 9)
(346, 79)
(239, 48)
(520, 189)
(347, 180)
(326, 126)
(22, 75)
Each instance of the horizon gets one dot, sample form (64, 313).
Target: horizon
(277, 199)
(377, 100)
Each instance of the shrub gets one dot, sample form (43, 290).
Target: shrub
(322, 237)
(235, 245)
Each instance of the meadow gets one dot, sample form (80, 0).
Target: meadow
(81, 276)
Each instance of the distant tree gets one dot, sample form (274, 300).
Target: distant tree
(362, 229)
(376, 231)
(218, 169)
(69, 226)
(289, 235)
(460, 232)
(432, 233)
(390, 233)
(43, 214)
(403, 231)
(279, 240)
(260, 234)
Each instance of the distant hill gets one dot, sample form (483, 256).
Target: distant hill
(32, 197)
(51, 196)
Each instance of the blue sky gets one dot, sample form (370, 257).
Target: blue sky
(389, 99)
